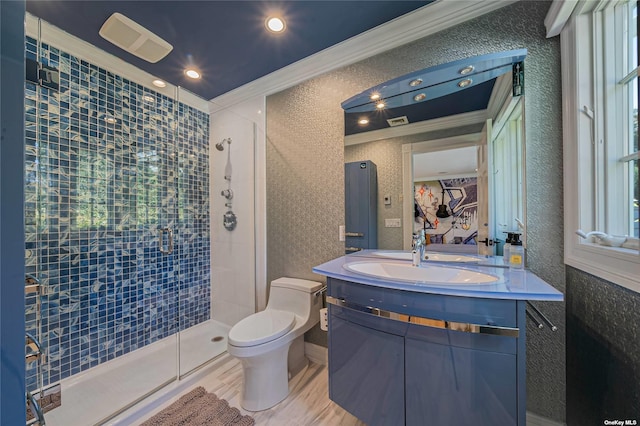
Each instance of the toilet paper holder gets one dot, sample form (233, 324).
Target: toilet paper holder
(324, 319)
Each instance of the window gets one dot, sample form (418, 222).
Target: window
(600, 92)
(620, 107)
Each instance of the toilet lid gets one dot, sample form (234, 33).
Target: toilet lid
(261, 327)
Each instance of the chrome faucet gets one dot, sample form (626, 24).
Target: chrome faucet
(417, 247)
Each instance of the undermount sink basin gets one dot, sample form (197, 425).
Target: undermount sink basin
(430, 255)
(425, 273)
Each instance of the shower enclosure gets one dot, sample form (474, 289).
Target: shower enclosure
(117, 233)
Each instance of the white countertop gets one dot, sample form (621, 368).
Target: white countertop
(514, 285)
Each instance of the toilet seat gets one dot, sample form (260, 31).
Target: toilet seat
(261, 327)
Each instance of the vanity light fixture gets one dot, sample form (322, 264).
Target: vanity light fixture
(109, 119)
(416, 82)
(159, 83)
(420, 97)
(380, 105)
(192, 73)
(275, 24)
(466, 82)
(363, 121)
(466, 70)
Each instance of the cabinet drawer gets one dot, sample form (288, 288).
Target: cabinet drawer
(493, 312)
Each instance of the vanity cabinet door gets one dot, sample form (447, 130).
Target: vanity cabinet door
(459, 385)
(366, 372)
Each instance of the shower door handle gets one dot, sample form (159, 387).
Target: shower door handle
(169, 247)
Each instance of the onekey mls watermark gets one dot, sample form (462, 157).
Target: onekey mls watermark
(627, 422)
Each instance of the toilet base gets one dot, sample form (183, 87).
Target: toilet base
(266, 380)
(266, 376)
(296, 361)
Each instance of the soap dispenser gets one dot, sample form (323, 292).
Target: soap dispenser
(516, 253)
(506, 248)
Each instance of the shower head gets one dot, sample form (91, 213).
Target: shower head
(220, 145)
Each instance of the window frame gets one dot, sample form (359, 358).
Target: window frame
(583, 40)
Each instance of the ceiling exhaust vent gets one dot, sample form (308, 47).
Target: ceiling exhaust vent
(398, 121)
(134, 38)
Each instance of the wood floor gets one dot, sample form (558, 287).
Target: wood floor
(307, 404)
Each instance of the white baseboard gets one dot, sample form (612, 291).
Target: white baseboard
(536, 420)
(316, 353)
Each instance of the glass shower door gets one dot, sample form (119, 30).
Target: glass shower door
(100, 184)
(193, 247)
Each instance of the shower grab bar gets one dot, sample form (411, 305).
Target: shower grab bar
(544, 318)
(38, 415)
(34, 345)
(32, 285)
(169, 249)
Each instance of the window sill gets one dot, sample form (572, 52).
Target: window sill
(619, 265)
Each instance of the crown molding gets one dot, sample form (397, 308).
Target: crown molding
(559, 13)
(430, 19)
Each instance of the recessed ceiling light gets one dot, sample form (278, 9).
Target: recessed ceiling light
(416, 82)
(375, 96)
(159, 83)
(191, 73)
(275, 24)
(363, 121)
(464, 83)
(380, 105)
(420, 97)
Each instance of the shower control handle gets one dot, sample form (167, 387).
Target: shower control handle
(169, 247)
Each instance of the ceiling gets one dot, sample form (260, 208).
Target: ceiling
(226, 40)
(474, 98)
(445, 164)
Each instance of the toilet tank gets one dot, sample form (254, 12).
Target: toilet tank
(295, 295)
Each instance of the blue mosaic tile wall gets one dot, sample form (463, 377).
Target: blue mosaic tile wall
(108, 163)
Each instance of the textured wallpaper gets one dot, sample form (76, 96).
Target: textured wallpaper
(603, 374)
(305, 157)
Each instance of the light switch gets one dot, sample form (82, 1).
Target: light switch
(392, 223)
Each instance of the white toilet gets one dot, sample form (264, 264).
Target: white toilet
(270, 344)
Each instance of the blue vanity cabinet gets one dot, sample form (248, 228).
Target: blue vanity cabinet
(366, 371)
(391, 362)
(448, 382)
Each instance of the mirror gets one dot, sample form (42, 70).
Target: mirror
(448, 144)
